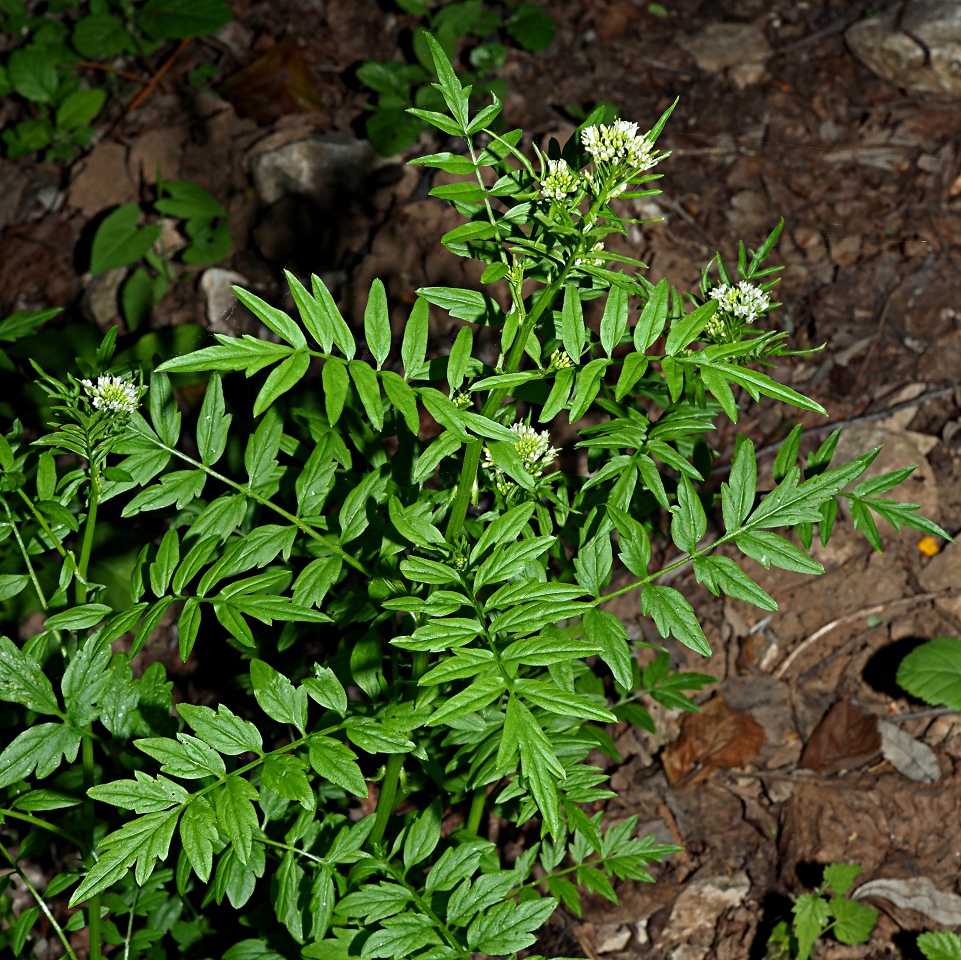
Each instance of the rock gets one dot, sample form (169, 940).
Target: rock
(697, 911)
(325, 168)
(896, 55)
(611, 937)
(736, 45)
(918, 894)
(101, 300)
(943, 572)
(102, 180)
(155, 150)
(215, 284)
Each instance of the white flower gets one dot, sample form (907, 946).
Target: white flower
(533, 447)
(560, 180)
(112, 394)
(619, 143)
(745, 300)
(593, 258)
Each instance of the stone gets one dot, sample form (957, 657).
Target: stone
(102, 180)
(723, 45)
(160, 149)
(697, 911)
(326, 168)
(896, 55)
(215, 284)
(611, 937)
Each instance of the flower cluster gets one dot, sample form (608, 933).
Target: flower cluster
(560, 361)
(535, 451)
(112, 394)
(593, 258)
(619, 143)
(745, 301)
(560, 180)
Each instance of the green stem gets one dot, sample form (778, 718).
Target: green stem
(304, 528)
(476, 810)
(39, 517)
(395, 764)
(43, 825)
(26, 557)
(90, 524)
(93, 904)
(41, 903)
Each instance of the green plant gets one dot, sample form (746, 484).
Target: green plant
(69, 38)
(400, 84)
(942, 945)
(415, 622)
(932, 672)
(121, 241)
(818, 913)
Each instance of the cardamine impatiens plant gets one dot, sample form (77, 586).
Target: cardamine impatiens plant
(401, 584)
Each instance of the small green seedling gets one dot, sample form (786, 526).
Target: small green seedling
(59, 57)
(121, 241)
(942, 945)
(816, 914)
(401, 84)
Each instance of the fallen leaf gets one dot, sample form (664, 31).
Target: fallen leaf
(845, 739)
(716, 737)
(275, 84)
(910, 757)
(915, 893)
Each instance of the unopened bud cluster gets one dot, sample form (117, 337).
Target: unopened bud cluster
(535, 451)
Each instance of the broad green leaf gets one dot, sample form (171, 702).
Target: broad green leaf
(414, 346)
(593, 563)
(377, 323)
(478, 695)
(327, 690)
(607, 634)
(508, 927)
(365, 380)
(768, 548)
(932, 672)
(182, 19)
(339, 330)
(145, 794)
(78, 618)
(403, 398)
(186, 757)
(737, 496)
(39, 747)
(281, 379)
(162, 569)
(336, 386)
(236, 816)
(119, 242)
(674, 616)
(840, 877)
(337, 763)
(810, 918)
(614, 320)
(422, 835)
(723, 575)
(653, 317)
(23, 681)
(198, 833)
(689, 523)
(459, 359)
(277, 696)
(285, 775)
(222, 730)
(685, 330)
(81, 107)
(573, 331)
(940, 945)
(853, 921)
(213, 423)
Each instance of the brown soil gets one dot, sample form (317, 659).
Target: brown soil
(868, 179)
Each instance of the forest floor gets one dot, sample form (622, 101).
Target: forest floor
(868, 179)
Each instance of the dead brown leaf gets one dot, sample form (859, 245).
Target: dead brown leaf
(717, 737)
(275, 84)
(845, 739)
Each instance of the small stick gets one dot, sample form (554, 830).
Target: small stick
(133, 77)
(857, 615)
(157, 77)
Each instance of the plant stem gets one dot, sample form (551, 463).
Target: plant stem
(395, 763)
(476, 810)
(87, 760)
(41, 903)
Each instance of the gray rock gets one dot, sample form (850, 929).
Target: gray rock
(327, 168)
(722, 45)
(897, 56)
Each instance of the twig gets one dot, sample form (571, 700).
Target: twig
(837, 26)
(922, 714)
(133, 77)
(157, 77)
(857, 615)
